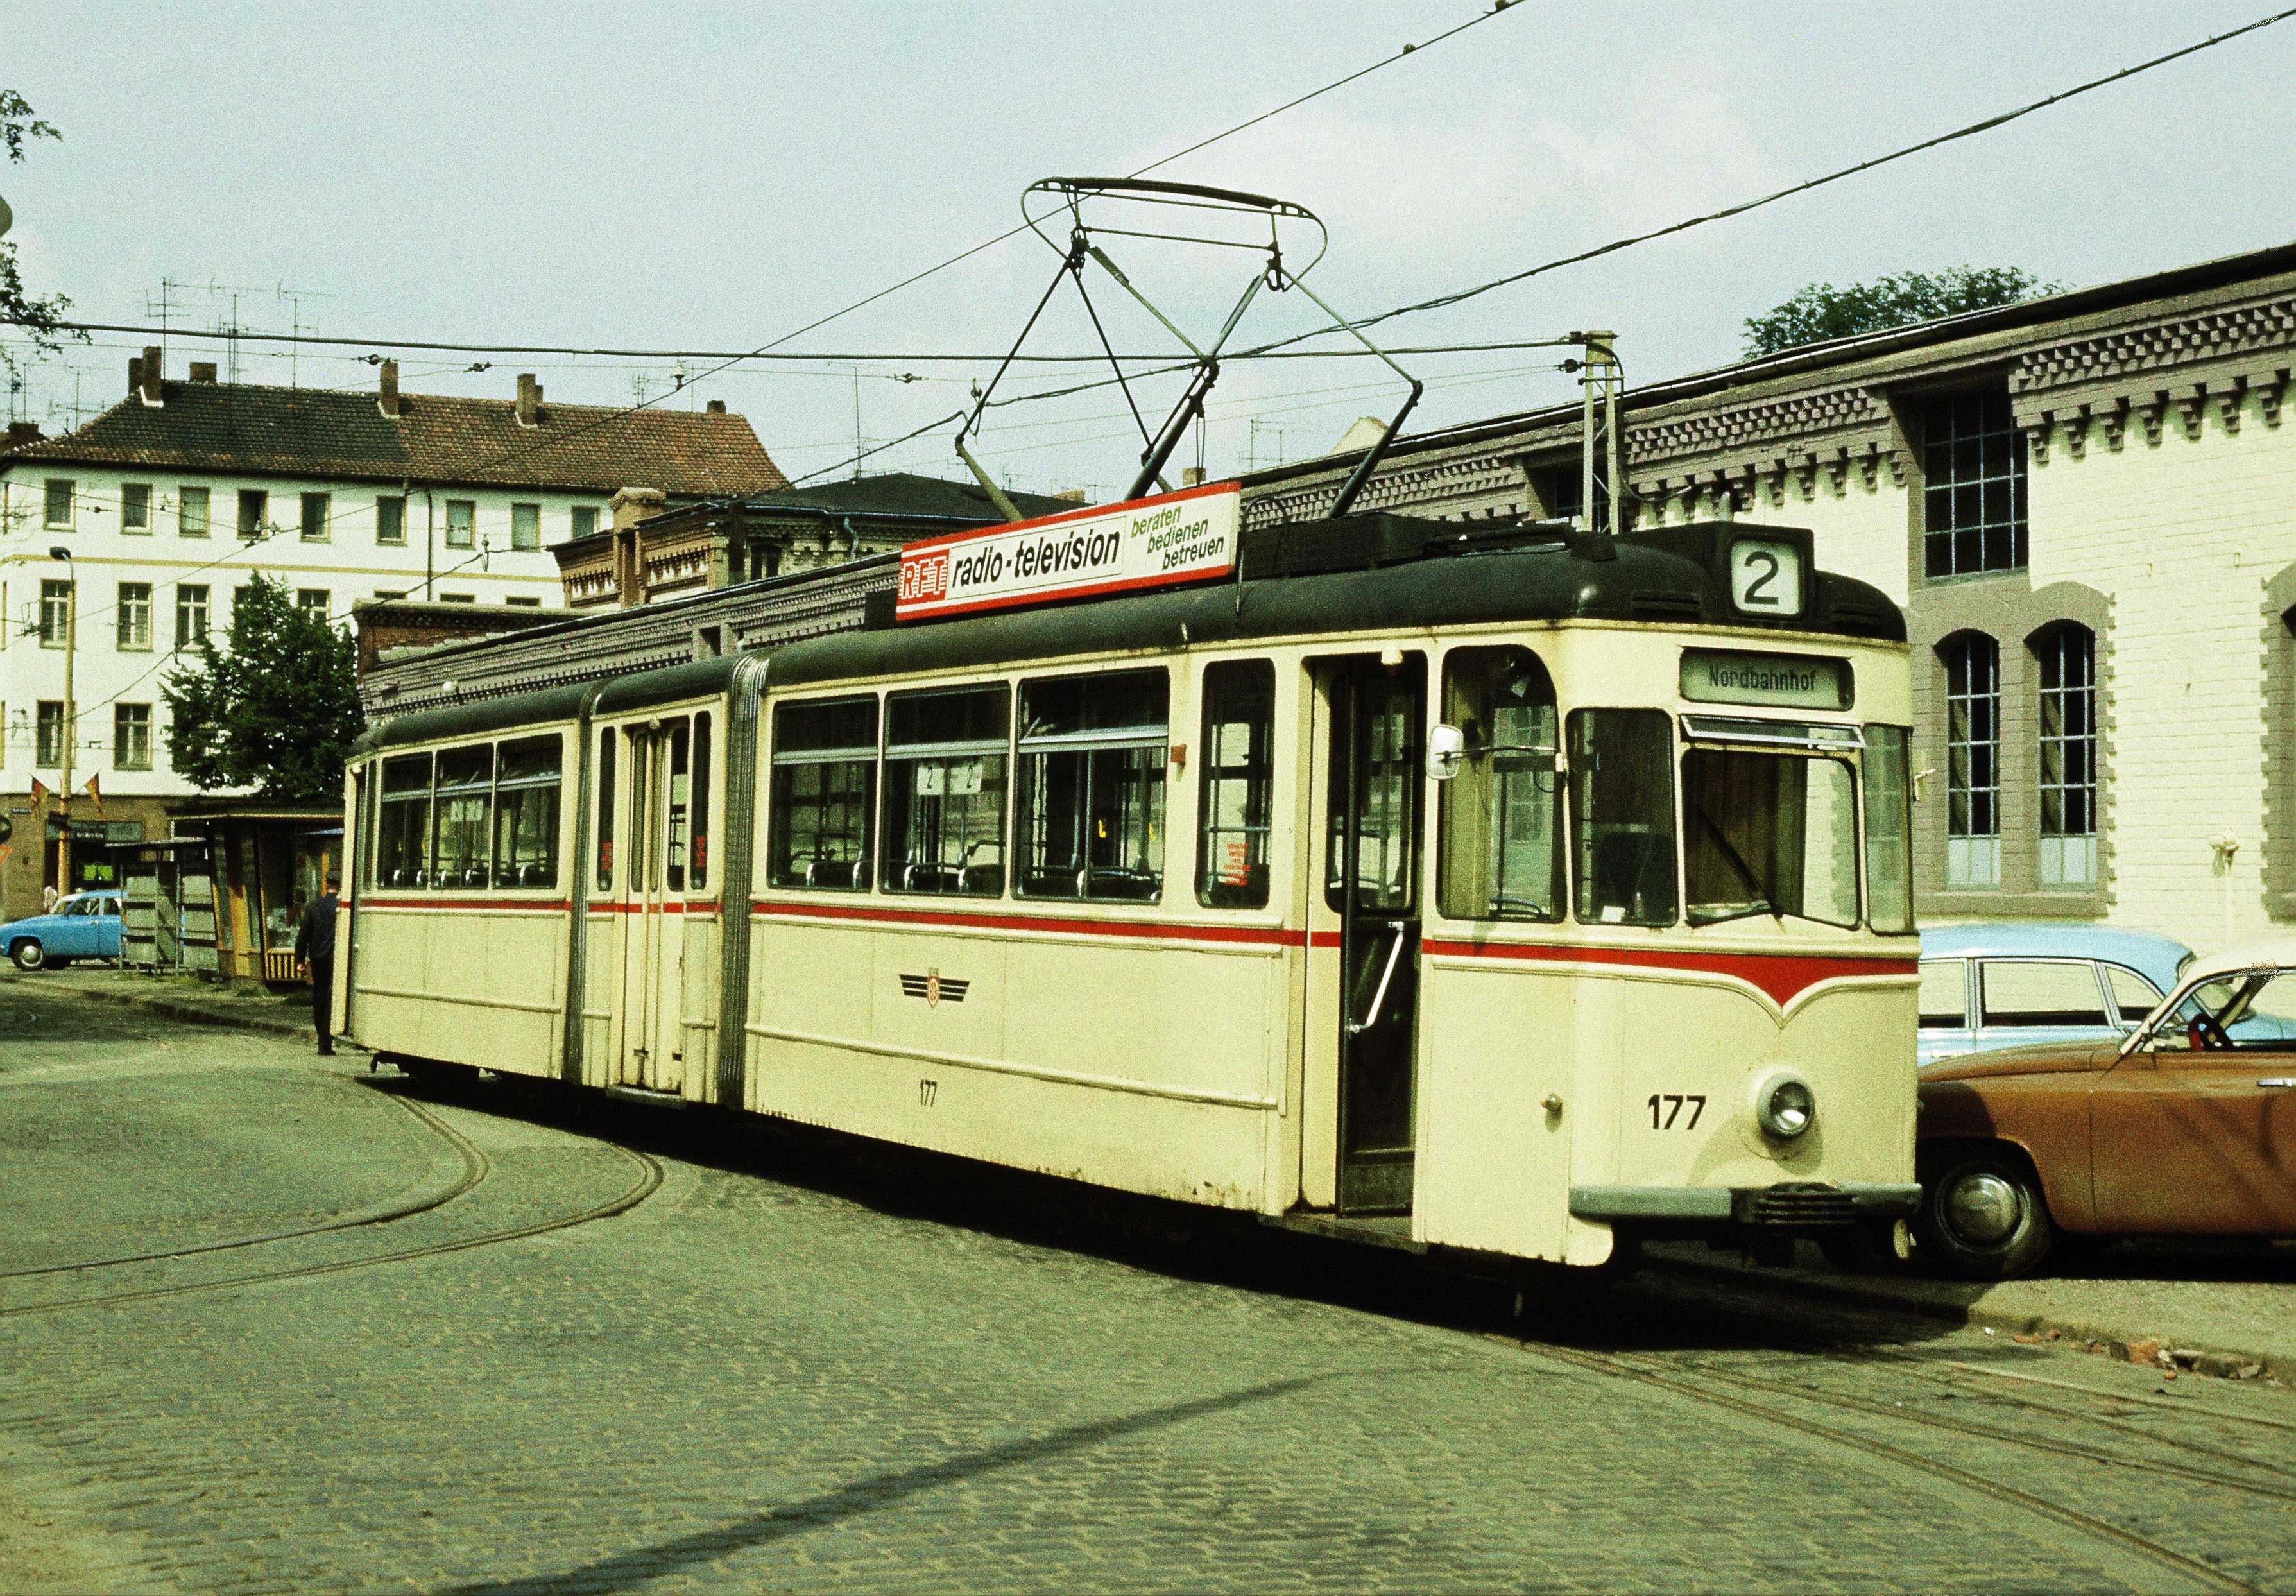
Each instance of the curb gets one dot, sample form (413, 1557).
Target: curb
(2212, 1360)
(175, 1009)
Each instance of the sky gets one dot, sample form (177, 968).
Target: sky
(714, 178)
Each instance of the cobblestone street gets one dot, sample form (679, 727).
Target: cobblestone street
(473, 1343)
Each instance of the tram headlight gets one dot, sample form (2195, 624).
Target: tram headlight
(1785, 1105)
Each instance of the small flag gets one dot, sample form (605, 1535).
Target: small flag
(94, 796)
(39, 795)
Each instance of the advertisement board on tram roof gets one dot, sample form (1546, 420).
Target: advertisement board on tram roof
(1163, 541)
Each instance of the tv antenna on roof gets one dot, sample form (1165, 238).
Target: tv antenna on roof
(1227, 218)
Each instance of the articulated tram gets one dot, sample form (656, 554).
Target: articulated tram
(1510, 890)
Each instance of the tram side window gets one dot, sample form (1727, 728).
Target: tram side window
(402, 826)
(1238, 784)
(675, 819)
(465, 805)
(526, 774)
(1502, 815)
(699, 861)
(1889, 829)
(1090, 817)
(945, 754)
(607, 740)
(824, 794)
(1622, 815)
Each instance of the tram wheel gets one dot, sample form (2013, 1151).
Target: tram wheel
(1983, 1216)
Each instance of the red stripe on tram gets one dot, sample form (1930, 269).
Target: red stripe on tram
(1256, 936)
(1783, 976)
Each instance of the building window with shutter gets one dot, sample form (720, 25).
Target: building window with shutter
(59, 507)
(136, 507)
(1973, 485)
(134, 615)
(2066, 657)
(254, 506)
(131, 736)
(584, 520)
(55, 612)
(191, 614)
(48, 732)
(319, 510)
(1972, 689)
(391, 519)
(461, 523)
(191, 512)
(526, 526)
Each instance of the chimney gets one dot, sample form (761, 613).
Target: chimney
(388, 401)
(150, 390)
(1191, 476)
(203, 371)
(135, 375)
(632, 506)
(20, 433)
(529, 399)
(717, 406)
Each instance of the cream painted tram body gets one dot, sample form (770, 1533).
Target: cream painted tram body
(1456, 893)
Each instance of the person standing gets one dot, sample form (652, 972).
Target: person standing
(315, 957)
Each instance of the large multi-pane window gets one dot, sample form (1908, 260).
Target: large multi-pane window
(1502, 814)
(1238, 784)
(55, 612)
(131, 736)
(1973, 755)
(2067, 660)
(527, 777)
(1090, 816)
(1973, 485)
(945, 754)
(133, 616)
(823, 793)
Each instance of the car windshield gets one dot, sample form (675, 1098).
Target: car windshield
(1769, 833)
(2251, 1011)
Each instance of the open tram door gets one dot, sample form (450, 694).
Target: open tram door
(650, 1030)
(1363, 934)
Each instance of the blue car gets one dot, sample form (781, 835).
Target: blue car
(83, 926)
(1985, 986)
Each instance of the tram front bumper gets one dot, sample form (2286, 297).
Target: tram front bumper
(1793, 1205)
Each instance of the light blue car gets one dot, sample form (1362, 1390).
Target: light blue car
(1985, 986)
(83, 926)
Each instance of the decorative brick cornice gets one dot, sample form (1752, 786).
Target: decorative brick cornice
(1751, 429)
(2109, 358)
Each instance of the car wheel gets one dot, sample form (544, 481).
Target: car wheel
(28, 953)
(1983, 1216)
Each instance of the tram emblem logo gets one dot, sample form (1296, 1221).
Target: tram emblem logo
(933, 988)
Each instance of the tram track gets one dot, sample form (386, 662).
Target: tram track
(476, 1167)
(2202, 1573)
(649, 1179)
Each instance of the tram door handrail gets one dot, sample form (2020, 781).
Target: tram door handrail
(1357, 1027)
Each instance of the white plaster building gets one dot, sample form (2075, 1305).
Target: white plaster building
(2087, 504)
(170, 500)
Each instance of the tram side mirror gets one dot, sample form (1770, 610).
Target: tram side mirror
(1447, 749)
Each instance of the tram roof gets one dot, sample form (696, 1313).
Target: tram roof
(1668, 576)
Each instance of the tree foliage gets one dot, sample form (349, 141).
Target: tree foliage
(276, 709)
(42, 319)
(1824, 311)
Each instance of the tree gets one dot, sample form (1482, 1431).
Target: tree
(1823, 311)
(276, 709)
(42, 320)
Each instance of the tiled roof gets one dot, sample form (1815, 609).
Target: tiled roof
(904, 492)
(313, 432)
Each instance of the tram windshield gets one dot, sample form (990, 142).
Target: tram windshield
(1768, 832)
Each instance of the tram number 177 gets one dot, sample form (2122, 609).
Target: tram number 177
(1671, 1104)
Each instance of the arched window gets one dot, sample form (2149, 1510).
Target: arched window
(1973, 744)
(2065, 657)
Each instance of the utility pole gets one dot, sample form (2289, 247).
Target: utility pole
(1598, 461)
(72, 717)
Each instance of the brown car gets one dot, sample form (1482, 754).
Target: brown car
(2186, 1128)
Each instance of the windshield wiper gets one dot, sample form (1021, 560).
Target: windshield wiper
(1761, 903)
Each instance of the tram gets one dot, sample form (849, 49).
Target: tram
(1510, 888)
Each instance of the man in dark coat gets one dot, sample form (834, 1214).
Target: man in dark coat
(314, 955)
